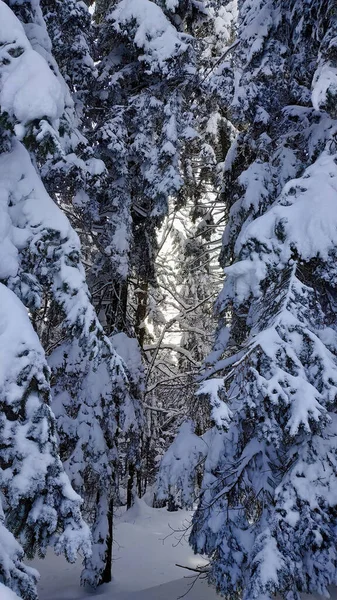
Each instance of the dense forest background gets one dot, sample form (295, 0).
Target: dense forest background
(168, 230)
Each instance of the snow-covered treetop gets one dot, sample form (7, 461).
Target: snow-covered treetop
(158, 41)
(69, 27)
(35, 101)
(284, 90)
(273, 68)
(29, 89)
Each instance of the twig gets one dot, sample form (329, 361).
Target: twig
(192, 569)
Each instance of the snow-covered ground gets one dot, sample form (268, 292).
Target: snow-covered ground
(148, 544)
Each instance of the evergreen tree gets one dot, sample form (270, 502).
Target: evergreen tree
(142, 58)
(176, 482)
(41, 264)
(94, 407)
(41, 507)
(94, 400)
(266, 516)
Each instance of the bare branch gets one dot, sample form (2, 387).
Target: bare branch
(196, 570)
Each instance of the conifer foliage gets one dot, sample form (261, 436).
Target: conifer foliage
(147, 75)
(40, 506)
(112, 126)
(267, 513)
(42, 265)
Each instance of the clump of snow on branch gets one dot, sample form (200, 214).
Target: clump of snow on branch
(215, 392)
(14, 574)
(152, 32)
(29, 89)
(33, 225)
(303, 220)
(176, 476)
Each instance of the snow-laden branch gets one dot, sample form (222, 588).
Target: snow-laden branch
(174, 348)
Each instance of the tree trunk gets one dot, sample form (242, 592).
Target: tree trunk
(107, 573)
(142, 302)
(130, 486)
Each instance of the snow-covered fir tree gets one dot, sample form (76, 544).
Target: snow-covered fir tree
(94, 406)
(142, 59)
(176, 481)
(33, 482)
(267, 511)
(41, 508)
(41, 264)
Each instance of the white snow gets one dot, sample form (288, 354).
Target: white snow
(305, 212)
(7, 594)
(152, 33)
(144, 565)
(212, 388)
(257, 25)
(18, 338)
(178, 466)
(129, 351)
(307, 209)
(225, 17)
(147, 547)
(29, 90)
(324, 82)
(31, 208)
(172, 5)
(29, 215)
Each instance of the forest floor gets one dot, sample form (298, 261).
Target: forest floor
(148, 544)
